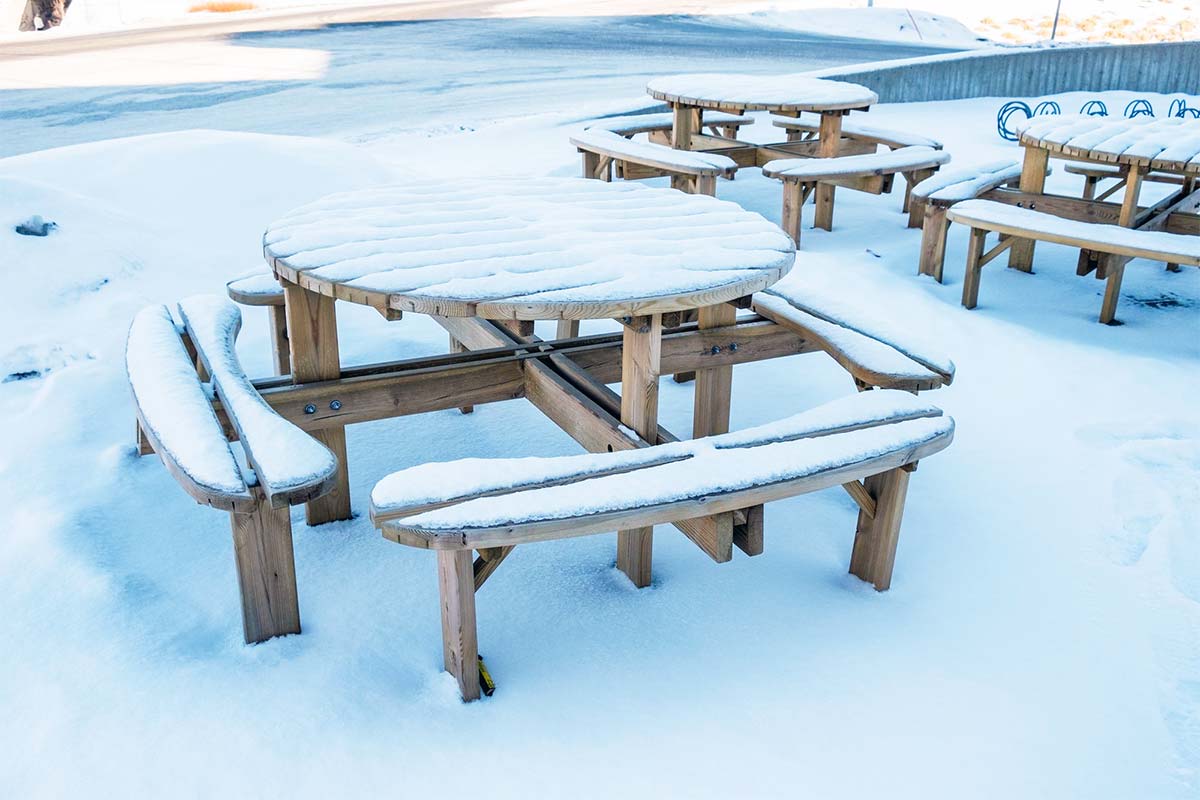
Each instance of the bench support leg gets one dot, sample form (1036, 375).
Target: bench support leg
(460, 647)
(875, 541)
(279, 340)
(1112, 291)
(642, 351)
(830, 142)
(312, 332)
(458, 347)
(266, 572)
(1033, 180)
(794, 195)
(970, 295)
(933, 241)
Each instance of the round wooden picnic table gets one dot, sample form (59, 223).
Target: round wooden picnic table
(787, 95)
(522, 250)
(1138, 146)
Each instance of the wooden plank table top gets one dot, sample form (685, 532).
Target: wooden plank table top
(532, 249)
(1168, 144)
(779, 93)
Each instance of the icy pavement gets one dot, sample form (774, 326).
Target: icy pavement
(1041, 639)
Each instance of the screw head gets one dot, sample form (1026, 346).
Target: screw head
(335, 404)
(733, 346)
(310, 409)
(716, 348)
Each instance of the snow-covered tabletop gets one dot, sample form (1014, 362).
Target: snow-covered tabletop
(1168, 144)
(761, 92)
(546, 248)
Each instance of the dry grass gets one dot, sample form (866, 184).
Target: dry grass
(1093, 28)
(223, 6)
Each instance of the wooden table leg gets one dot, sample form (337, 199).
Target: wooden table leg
(1033, 179)
(710, 411)
(830, 141)
(686, 122)
(313, 345)
(641, 353)
(1113, 267)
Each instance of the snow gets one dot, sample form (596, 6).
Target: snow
(607, 141)
(852, 127)
(904, 158)
(175, 406)
(762, 91)
(1100, 235)
(955, 185)
(547, 240)
(711, 471)
(446, 481)
(285, 458)
(1039, 640)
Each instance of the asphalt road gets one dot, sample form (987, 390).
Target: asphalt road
(438, 74)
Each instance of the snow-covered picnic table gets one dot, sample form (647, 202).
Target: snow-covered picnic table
(786, 95)
(1137, 147)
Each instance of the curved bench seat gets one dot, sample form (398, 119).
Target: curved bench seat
(663, 122)
(690, 170)
(851, 129)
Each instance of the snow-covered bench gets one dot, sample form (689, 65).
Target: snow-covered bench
(1094, 173)
(1121, 244)
(286, 466)
(692, 171)
(867, 443)
(808, 126)
(262, 289)
(873, 351)
(658, 125)
(869, 172)
(932, 196)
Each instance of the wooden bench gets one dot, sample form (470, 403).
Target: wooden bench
(867, 444)
(857, 138)
(932, 196)
(1094, 173)
(658, 126)
(176, 420)
(866, 346)
(690, 171)
(808, 126)
(262, 289)
(1120, 244)
(870, 172)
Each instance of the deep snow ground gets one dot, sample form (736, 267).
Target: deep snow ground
(1040, 640)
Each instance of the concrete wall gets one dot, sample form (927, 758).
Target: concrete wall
(1008, 72)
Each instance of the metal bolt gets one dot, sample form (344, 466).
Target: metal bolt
(715, 349)
(733, 346)
(335, 405)
(310, 409)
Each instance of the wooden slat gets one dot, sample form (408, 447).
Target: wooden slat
(488, 562)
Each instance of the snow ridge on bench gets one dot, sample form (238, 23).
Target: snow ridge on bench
(645, 123)
(429, 485)
(176, 412)
(856, 130)
(291, 466)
